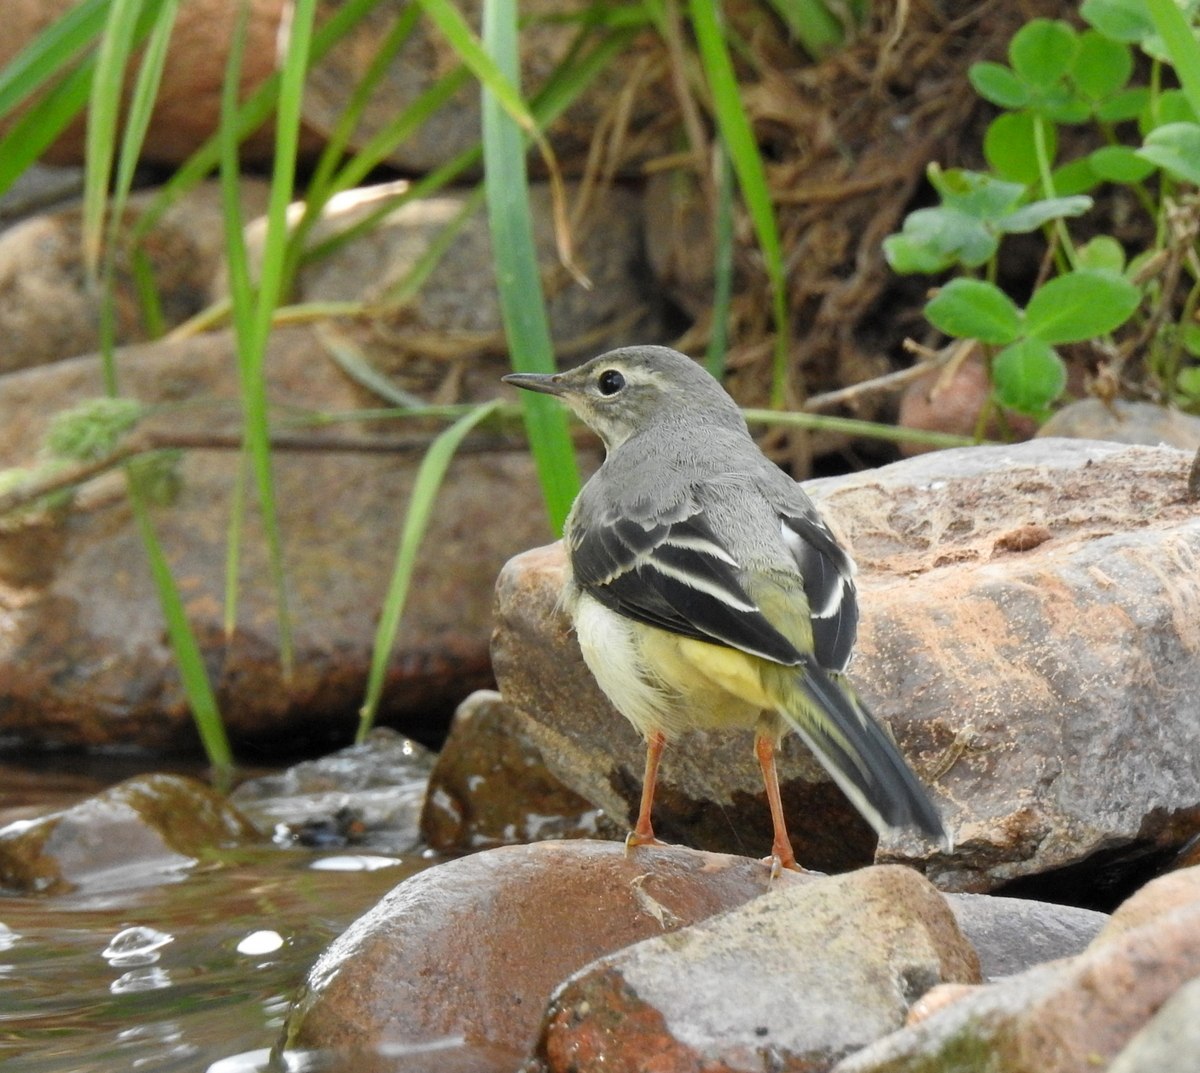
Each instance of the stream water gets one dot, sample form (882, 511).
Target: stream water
(187, 971)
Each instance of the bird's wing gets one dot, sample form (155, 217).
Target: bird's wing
(677, 575)
(827, 574)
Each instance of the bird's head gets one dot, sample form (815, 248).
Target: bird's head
(624, 391)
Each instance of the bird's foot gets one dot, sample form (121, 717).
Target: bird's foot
(779, 862)
(641, 838)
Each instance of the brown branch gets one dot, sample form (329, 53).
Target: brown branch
(145, 442)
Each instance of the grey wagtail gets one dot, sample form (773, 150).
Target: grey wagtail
(707, 593)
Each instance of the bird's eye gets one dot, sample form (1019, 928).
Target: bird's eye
(610, 382)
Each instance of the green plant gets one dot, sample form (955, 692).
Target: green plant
(1056, 76)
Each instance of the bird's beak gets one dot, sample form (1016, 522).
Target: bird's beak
(546, 383)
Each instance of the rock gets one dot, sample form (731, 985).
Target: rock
(83, 656)
(549, 32)
(490, 786)
(135, 833)
(1159, 897)
(49, 310)
(1170, 1041)
(947, 400)
(367, 795)
(1027, 613)
(39, 188)
(1125, 422)
(188, 106)
(456, 314)
(791, 981)
(1064, 1017)
(1011, 935)
(437, 959)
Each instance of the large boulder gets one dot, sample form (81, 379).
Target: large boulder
(1030, 632)
(84, 659)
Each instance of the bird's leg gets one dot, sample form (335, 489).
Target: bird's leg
(781, 847)
(643, 832)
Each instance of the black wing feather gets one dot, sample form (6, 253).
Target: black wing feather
(639, 571)
(828, 579)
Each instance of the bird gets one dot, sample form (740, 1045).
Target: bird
(707, 592)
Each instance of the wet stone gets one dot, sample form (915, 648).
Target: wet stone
(490, 786)
(368, 796)
(132, 834)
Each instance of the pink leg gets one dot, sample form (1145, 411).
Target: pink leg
(643, 833)
(781, 847)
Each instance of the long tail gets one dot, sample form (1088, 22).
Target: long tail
(859, 756)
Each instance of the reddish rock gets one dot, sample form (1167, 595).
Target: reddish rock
(83, 654)
(189, 100)
(1158, 898)
(1027, 613)
(790, 981)
(136, 832)
(474, 948)
(951, 401)
(490, 787)
(1170, 1042)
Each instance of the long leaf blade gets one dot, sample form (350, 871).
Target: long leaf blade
(416, 521)
(522, 302)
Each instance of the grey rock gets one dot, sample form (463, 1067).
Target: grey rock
(790, 981)
(549, 29)
(139, 832)
(368, 796)
(49, 310)
(456, 312)
(1125, 422)
(1014, 934)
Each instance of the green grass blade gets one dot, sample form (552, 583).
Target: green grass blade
(104, 116)
(522, 302)
(252, 350)
(241, 289)
(499, 79)
(723, 247)
(141, 106)
(36, 130)
(416, 520)
(251, 114)
(748, 166)
(811, 23)
(1182, 47)
(188, 657)
(136, 124)
(321, 184)
(50, 53)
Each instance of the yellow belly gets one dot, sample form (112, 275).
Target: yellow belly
(663, 682)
